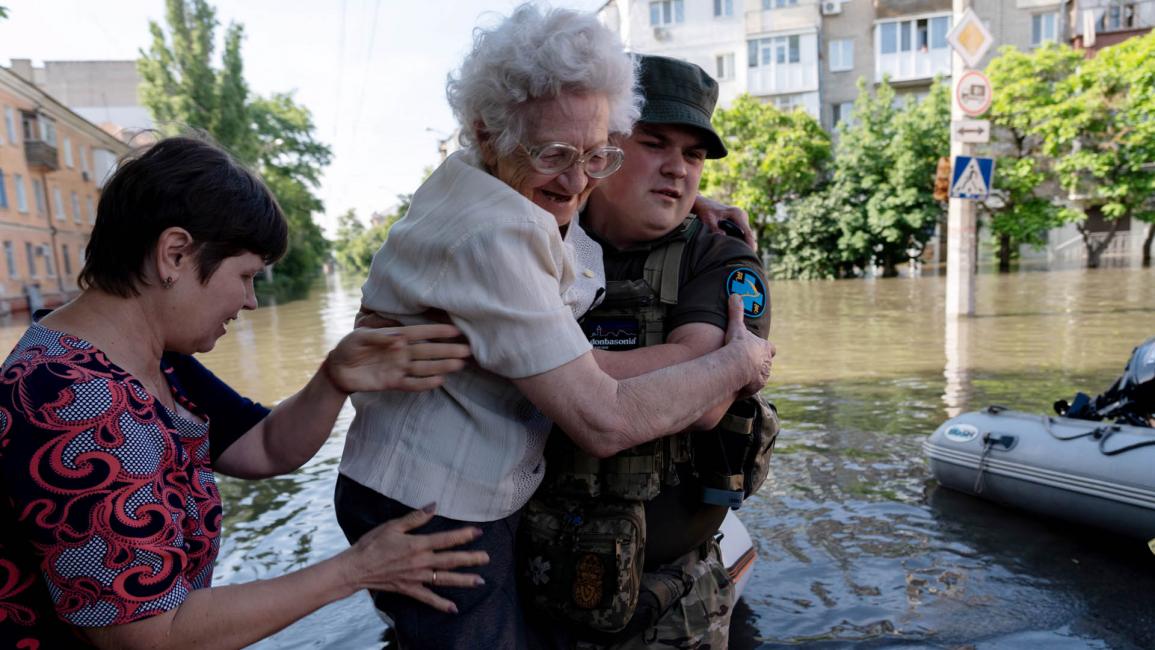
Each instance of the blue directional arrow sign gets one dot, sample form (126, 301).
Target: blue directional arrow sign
(971, 177)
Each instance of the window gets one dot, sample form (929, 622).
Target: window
(38, 194)
(3, 191)
(30, 258)
(47, 130)
(68, 162)
(919, 35)
(779, 50)
(10, 258)
(21, 193)
(840, 111)
(724, 66)
(84, 167)
(723, 8)
(46, 253)
(772, 4)
(75, 208)
(10, 124)
(64, 258)
(789, 103)
(665, 12)
(1118, 16)
(1042, 28)
(91, 210)
(59, 203)
(939, 27)
(888, 38)
(842, 55)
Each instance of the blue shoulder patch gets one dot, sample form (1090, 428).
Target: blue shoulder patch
(747, 284)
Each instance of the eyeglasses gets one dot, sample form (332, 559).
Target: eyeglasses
(556, 157)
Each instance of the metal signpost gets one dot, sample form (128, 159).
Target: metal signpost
(971, 177)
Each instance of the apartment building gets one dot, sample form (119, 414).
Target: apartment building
(106, 93)
(811, 53)
(52, 165)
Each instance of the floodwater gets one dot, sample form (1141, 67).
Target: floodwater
(857, 546)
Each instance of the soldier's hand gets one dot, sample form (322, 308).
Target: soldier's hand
(757, 352)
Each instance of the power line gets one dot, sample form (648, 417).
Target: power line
(368, 61)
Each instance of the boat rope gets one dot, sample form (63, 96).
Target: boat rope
(1112, 452)
(988, 444)
(1100, 433)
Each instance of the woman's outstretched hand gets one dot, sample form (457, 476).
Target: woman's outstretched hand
(413, 358)
(390, 558)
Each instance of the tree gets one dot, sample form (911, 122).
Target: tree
(356, 245)
(806, 247)
(1024, 209)
(774, 156)
(1101, 135)
(884, 170)
(274, 135)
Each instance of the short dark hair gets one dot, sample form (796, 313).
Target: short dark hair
(185, 182)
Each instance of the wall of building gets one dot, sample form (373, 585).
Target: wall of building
(106, 93)
(46, 215)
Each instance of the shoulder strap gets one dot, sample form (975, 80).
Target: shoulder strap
(664, 263)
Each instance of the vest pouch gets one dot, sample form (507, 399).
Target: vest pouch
(756, 467)
(634, 474)
(581, 562)
(720, 455)
(570, 471)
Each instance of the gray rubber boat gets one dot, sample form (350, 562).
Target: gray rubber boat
(1092, 473)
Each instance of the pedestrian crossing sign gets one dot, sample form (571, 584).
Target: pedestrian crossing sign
(971, 177)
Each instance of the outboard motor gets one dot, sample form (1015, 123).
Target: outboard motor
(1130, 400)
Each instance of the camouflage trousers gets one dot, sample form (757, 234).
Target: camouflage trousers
(700, 620)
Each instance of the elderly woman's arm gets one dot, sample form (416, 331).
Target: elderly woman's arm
(388, 558)
(367, 359)
(608, 415)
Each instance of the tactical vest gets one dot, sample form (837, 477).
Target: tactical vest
(633, 314)
(583, 534)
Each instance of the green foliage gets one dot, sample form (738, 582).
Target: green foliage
(807, 248)
(274, 135)
(774, 156)
(1101, 137)
(1024, 210)
(3, 12)
(880, 195)
(356, 245)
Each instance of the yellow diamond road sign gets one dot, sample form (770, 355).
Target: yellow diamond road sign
(970, 38)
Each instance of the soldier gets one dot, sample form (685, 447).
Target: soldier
(589, 560)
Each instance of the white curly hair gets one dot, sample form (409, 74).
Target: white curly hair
(540, 53)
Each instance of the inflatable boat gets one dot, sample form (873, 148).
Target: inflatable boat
(1073, 465)
(1090, 473)
(737, 551)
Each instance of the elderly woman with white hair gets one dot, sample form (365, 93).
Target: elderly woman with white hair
(491, 240)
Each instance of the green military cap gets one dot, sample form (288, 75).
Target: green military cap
(678, 92)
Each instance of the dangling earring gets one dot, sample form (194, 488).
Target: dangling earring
(168, 282)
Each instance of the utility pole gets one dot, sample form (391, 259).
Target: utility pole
(961, 243)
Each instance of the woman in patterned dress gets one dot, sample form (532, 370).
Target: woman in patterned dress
(111, 431)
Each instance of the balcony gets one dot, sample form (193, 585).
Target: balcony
(779, 19)
(41, 156)
(884, 9)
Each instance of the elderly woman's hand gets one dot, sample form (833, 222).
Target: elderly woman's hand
(402, 358)
(714, 215)
(390, 558)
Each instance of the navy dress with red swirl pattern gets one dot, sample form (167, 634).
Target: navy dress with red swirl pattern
(109, 510)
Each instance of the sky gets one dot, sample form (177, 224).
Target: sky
(371, 71)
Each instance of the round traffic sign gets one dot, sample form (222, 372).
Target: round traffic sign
(973, 93)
